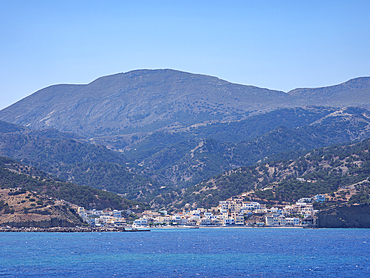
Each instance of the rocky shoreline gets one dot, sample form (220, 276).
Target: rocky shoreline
(68, 229)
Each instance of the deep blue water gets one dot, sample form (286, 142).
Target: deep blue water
(221, 252)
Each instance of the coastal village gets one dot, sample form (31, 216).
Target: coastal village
(235, 211)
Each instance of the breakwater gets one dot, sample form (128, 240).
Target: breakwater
(69, 229)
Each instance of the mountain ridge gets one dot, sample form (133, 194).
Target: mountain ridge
(149, 100)
(327, 95)
(126, 99)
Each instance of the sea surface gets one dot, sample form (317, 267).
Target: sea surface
(213, 252)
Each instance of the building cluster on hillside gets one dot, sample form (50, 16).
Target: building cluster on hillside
(233, 212)
(98, 218)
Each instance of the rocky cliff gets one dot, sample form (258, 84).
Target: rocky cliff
(351, 216)
(21, 208)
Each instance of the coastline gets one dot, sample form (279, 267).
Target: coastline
(68, 230)
(120, 230)
(228, 227)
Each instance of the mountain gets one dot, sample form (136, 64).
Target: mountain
(147, 134)
(148, 100)
(141, 100)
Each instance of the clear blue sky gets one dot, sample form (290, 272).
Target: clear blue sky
(274, 44)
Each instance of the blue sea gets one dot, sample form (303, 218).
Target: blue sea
(213, 252)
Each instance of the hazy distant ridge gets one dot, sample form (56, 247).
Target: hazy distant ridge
(147, 100)
(351, 93)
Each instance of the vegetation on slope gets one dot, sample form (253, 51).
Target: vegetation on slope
(14, 175)
(191, 161)
(141, 100)
(22, 208)
(320, 171)
(164, 164)
(74, 160)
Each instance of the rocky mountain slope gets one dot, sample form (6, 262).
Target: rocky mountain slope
(163, 162)
(21, 208)
(345, 216)
(342, 171)
(190, 161)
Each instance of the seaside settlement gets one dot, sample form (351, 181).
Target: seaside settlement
(232, 212)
